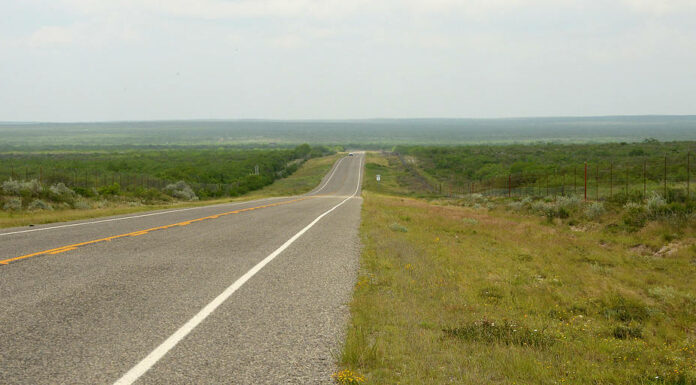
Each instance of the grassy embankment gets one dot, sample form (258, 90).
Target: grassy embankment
(494, 295)
(301, 181)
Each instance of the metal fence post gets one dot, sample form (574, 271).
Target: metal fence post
(509, 185)
(628, 169)
(585, 181)
(597, 182)
(611, 179)
(688, 175)
(665, 177)
(645, 191)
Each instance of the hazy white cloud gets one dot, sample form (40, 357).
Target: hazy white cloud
(51, 36)
(661, 6)
(131, 59)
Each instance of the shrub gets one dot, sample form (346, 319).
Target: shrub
(655, 205)
(473, 200)
(14, 187)
(82, 204)
(540, 207)
(594, 210)
(11, 187)
(13, 204)
(470, 221)
(181, 190)
(61, 193)
(38, 204)
(31, 188)
(85, 192)
(61, 189)
(568, 203)
(634, 215)
(112, 189)
(550, 210)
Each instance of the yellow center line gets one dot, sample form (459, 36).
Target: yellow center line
(63, 249)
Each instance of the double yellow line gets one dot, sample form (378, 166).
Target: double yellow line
(63, 249)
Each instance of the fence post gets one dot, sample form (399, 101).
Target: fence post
(665, 182)
(688, 175)
(585, 181)
(509, 184)
(611, 179)
(628, 169)
(597, 182)
(645, 191)
(575, 179)
(40, 174)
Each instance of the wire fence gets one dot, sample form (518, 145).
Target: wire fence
(98, 180)
(670, 177)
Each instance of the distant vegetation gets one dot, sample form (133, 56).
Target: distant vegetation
(488, 161)
(81, 180)
(376, 133)
(541, 169)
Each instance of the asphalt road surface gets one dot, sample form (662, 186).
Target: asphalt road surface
(244, 293)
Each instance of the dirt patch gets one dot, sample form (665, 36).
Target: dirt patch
(668, 250)
(641, 250)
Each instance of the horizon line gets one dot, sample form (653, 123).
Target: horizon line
(319, 120)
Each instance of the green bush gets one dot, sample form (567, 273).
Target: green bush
(85, 192)
(13, 204)
(112, 189)
(594, 210)
(634, 215)
(61, 193)
(38, 204)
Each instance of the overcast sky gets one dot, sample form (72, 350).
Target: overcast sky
(86, 60)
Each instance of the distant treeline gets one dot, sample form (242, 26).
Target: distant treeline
(461, 164)
(367, 134)
(216, 171)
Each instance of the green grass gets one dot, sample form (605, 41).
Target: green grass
(303, 180)
(467, 295)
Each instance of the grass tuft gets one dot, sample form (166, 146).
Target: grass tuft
(505, 333)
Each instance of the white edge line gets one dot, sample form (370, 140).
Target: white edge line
(151, 359)
(327, 179)
(141, 216)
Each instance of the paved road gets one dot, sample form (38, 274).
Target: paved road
(254, 293)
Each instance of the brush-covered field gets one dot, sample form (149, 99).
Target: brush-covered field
(24, 202)
(550, 290)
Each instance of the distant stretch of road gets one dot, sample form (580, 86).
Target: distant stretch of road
(239, 293)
